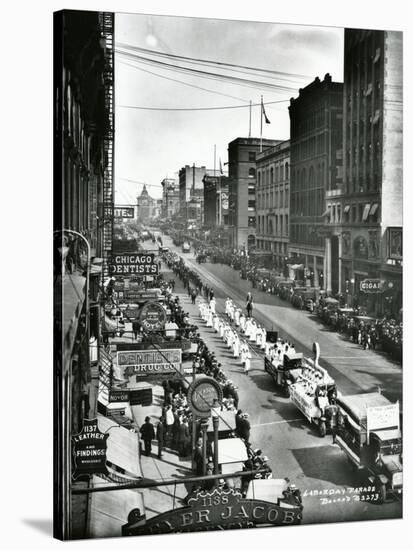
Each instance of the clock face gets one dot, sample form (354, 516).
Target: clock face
(202, 395)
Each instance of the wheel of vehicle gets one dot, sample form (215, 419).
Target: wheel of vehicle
(382, 491)
(322, 429)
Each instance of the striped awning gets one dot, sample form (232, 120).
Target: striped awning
(346, 208)
(373, 209)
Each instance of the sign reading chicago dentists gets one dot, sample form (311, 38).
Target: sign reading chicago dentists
(89, 450)
(219, 509)
(150, 362)
(139, 264)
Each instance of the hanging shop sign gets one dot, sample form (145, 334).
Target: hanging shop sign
(124, 212)
(184, 344)
(149, 362)
(218, 509)
(139, 264)
(89, 450)
(118, 396)
(203, 394)
(152, 316)
(371, 286)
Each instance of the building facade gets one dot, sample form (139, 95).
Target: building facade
(316, 119)
(170, 197)
(241, 190)
(365, 214)
(146, 206)
(83, 230)
(272, 202)
(191, 193)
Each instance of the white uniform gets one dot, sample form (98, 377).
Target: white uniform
(237, 316)
(212, 304)
(236, 346)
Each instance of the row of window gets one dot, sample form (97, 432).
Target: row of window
(271, 246)
(356, 213)
(273, 225)
(308, 179)
(307, 203)
(268, 176)
(305, 234)
(274, 198)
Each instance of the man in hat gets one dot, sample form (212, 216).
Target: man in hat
(148, 434)
(160, 435)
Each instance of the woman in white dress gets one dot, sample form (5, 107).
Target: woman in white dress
(247, 365)
(242, 320)
(253, 331)
(212, 305)
(258, 338)
(221, 328)
(209, 318)
(236, 346)
(263, 338)
(216, 323)
(237, 316)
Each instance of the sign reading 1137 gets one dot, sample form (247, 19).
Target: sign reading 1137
(133, 264)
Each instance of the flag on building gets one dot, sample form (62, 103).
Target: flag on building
(267, 120)
(220, 167)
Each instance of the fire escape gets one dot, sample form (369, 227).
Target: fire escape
(107, 23)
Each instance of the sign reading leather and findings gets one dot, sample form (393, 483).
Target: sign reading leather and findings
(140, 264)
(89, 450)
(203, 394)
(152, 316)
(218, 509)
(150, 362)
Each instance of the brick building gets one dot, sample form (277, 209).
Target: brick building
(316, 168)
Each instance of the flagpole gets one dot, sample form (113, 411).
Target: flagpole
(249, 132)
(261, 127)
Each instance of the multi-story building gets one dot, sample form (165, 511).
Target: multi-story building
(83, 229)
(316, 168)
(146, 206)
(215, 201)
(170, 197)
(365, 213)
(191, 193)
(241, 190)
(272, 202)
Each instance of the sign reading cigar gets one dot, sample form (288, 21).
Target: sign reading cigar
(218, 509)
(140, 264)
(150, 362)
(89, 450)
(203, 394)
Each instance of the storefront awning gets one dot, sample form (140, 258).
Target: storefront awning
(231, 450)
(366, 212)
(123, 449)
(327, 212)
(346, 208)
(109, 510)
(373, 209)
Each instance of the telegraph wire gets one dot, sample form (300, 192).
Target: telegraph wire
(210, 62)
(182, 82)
(207, 74)
(198, 108)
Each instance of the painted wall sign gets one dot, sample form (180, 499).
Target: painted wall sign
(218, 509)
(133, 264)
(89, 450)
(150, 362)
(202, 394)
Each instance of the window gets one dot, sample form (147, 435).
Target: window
(251, 204)
(251, 221)
(251, 173)
(287, 175)
(251, 156)
(272, 175)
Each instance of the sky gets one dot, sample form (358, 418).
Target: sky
(153, 144)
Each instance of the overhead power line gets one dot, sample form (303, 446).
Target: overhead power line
(211, 62)
(206, 74)
(158, 185)
(181, 82)
(199, 108)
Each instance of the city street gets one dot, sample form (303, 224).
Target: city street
(319, 468)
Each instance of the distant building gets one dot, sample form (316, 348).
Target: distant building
(146, 206)
(215, 201)
(316, 120)
(365, 213)
(272, 202)
(241, 190)
(170, 197)
(191, 193)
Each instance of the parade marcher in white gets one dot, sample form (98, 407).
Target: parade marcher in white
(216, 323)
(247, 365)
(263, 338)
(209, 318)
(212, 305)
(236, 346)
(242, 321)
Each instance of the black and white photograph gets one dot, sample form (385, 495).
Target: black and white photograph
(227, 274)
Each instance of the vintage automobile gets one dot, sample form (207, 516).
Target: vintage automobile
(312, 393)
(369, 433)
(186, 247)
(286, 372)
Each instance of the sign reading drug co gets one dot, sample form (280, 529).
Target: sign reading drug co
(150, 362)
(371, 286)
(140, 264)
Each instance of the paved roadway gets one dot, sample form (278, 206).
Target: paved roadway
(292, 445)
